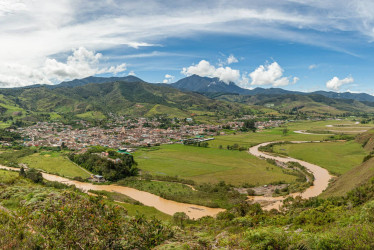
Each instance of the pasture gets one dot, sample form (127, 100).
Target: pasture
(54, 163)
(209, 165)
(336, 157)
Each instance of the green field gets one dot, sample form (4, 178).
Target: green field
(54, 162)
(276, 134)
(92, 115)
(336, 157)
(148, 212)
(209, 165)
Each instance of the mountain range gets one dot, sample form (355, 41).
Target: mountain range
(213, 86)
(205, 99)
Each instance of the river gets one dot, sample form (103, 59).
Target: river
(321, 178)
(148, 199)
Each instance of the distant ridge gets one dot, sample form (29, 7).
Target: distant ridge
(94, 79)
(208, 86)
(211, 87)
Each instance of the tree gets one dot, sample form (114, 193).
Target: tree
(34, 175)
(285, 131)
(180, 217)
(22, 172)
(250, 125)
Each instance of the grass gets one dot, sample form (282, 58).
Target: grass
(148, 212)
(54, 162)
(92, 115)
(355, 177)
(276, 134)
(210, 195)
(336, 157)
(209, 165)
(8, 177)
(132, 206)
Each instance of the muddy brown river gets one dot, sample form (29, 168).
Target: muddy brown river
(321, 178)
(148, 199)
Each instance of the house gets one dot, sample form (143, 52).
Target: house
(97, 178)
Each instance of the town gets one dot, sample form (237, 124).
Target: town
(129, 134)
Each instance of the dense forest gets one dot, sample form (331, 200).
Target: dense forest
(113, 167)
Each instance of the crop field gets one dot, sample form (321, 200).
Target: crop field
(276, 134)
(209, 165)
(55, 163)
(336, 157)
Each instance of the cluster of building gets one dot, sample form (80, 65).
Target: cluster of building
(132, 136)
(129, 133)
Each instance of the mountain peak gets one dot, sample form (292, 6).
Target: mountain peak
(201, 84)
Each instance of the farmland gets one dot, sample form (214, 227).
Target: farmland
(209, 165)
(56, 163)
(336, 157)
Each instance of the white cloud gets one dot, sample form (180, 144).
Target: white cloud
(268, 74)
(232, 59)
(271, 74)
(114, 69)
(82, 63)
(168, 78)
(33, 31)
(335, 83)
(312, 66)
(205, 69)
(132, 73)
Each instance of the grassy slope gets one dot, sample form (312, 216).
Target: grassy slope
(54, 163)
(336, 157)
(353, 178)
(209, 165)
(358, 175)
(148, 212)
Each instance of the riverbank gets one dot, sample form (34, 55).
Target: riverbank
(321, 178)
(148, 199)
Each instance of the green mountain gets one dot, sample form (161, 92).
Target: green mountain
(137, 98)
(119, 97)
(310, 105)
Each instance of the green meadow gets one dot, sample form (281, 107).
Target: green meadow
(209, 165)
(55, 163)
(336, 157)
(276, 134)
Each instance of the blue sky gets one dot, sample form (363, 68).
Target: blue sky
(296, 44)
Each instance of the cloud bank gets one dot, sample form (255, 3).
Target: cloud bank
(264, 75)
(81, 63)
(39, 34)
(271, 74)
(205, 69)
(335, 83)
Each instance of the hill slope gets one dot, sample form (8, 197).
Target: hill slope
(301, 104)
(357, 176)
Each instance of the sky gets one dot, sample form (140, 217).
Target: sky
(293, 44)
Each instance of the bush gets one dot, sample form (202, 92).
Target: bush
(32, 174)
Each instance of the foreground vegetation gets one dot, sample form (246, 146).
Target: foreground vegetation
(41, 216)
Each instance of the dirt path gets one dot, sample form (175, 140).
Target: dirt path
(321, 178)
(148, 199)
